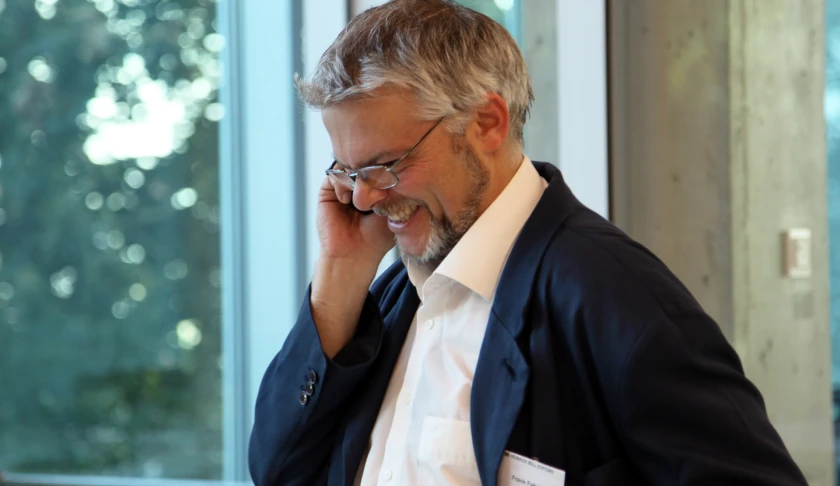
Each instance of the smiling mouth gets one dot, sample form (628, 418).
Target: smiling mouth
(401, 214)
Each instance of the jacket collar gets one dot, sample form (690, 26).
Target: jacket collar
(502, 373)
(477, 260)
(514, 289)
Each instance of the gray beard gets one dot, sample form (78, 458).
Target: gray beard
(446, 233)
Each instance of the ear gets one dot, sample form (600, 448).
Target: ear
(492, 123)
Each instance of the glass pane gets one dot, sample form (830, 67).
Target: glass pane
(109, 223)
(832, 113)
(505, 12)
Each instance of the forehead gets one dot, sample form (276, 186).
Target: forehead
(362, 129)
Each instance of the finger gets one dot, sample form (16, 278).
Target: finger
(328, 190)
(342, 193)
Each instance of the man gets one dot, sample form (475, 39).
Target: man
(522, 339)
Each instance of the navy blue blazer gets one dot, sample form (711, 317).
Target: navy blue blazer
(596, 361)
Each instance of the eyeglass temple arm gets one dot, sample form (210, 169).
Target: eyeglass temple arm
(398, 161)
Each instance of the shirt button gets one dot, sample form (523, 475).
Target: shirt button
(430, 324)
(387, 475)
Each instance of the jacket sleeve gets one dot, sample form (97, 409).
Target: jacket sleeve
(687, 414)
(298, 408)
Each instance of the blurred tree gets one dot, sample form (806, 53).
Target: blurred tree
(110, 334)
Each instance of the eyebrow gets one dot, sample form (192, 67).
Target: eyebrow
(390, 155)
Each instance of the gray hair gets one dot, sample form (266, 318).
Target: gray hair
(447, 56)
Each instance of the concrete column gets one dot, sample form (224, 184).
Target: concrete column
(717, 148)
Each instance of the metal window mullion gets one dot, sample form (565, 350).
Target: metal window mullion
(233, 223)
(321, 22)
(582, 99)
(77, 480)
(270, 187)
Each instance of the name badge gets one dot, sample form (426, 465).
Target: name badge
(516, 470)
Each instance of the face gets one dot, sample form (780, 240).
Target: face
(442, 183)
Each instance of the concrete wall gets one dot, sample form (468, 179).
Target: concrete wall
(717, 147)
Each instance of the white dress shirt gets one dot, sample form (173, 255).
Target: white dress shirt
(422, 433)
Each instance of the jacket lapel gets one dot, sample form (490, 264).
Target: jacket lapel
(502, 373)
(369, 398)
(499, 387)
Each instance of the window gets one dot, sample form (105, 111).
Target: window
(832, 113)
(110, 286)
(505, 12)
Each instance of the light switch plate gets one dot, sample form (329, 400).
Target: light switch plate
(796, 253)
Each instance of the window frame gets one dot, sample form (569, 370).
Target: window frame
(78, 480)
(582, 100)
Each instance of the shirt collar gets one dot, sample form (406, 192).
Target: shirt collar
(478, 258)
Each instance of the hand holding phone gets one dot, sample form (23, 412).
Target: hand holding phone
(347, 232)
(370, 211)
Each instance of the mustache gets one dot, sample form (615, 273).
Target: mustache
(395, 207)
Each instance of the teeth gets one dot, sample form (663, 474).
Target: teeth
(401, 215)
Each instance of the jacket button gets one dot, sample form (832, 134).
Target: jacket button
(311, 377)
(309, 389)
(303, 398)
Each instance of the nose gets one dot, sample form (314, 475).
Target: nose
(366, 197)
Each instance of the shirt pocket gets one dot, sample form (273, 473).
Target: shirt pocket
(445, 453)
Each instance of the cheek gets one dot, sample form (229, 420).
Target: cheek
(438, 189)
(450, 193)
(413, 186)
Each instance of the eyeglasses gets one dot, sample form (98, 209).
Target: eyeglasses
(376, 176)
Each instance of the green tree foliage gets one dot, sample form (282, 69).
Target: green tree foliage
(110, 330)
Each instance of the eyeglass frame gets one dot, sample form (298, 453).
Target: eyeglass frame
(388, 166)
